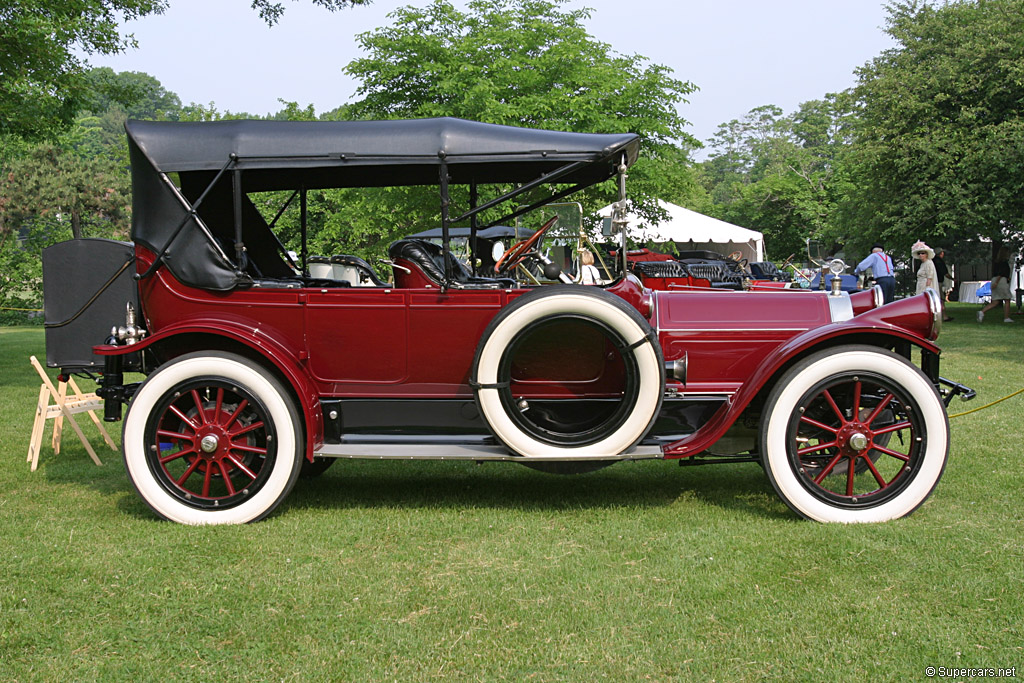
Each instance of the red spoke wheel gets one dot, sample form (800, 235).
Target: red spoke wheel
(854, 434)
(842, 448)
(212, 439)
(208, 441)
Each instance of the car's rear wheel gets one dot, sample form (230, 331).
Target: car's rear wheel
(568, 372)
(854, 434)
(210, 438)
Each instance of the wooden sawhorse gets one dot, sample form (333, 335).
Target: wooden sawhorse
(63, 407)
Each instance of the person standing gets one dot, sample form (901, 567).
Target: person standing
(927, 277)
(1000, 286)
(945, 284)
(589, 275)
(881, 266)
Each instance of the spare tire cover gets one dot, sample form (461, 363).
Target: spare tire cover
(620, 424)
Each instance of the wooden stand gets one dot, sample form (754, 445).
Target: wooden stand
(63, 407)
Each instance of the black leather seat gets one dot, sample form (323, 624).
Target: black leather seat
(718, 274)
(430, 259)
(661, 269)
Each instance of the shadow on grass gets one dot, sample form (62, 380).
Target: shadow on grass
(371, 484)
(450, 485)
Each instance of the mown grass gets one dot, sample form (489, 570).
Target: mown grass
(450, 571)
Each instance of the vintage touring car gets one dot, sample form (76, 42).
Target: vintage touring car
(256, 371)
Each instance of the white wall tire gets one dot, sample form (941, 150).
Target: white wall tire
(623, 326)
(209, 438)
(804, 438)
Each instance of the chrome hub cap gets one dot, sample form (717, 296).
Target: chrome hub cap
(858, 442)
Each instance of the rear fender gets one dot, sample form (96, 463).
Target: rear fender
(288, 365)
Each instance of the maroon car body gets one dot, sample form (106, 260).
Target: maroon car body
(257, 371)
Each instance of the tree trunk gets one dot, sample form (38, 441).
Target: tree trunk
(76, 224)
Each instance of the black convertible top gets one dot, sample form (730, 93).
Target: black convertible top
(408, 152)
(207, 231)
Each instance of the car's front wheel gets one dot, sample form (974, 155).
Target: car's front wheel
(854, 434)
(211, 439)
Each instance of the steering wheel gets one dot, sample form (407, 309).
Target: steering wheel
(737, 257)
(520, 251)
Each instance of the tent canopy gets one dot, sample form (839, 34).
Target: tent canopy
(692, 231)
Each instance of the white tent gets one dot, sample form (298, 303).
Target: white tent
(690, 230)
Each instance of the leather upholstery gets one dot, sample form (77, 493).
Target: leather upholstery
(430, 259)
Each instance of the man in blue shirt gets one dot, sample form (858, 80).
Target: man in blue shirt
(881, 266)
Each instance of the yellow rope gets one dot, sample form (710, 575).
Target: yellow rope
(32, 310)
(974, 410)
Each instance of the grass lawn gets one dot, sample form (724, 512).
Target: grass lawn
(421, 571)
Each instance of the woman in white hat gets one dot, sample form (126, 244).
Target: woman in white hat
(926, 275)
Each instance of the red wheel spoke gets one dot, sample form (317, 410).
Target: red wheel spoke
(882, 483)
(243, 430)
(174, 456)
(831, 402)
(183, 417)
(828, 468)
(878, 409)
(248, 449)
(234, 415)
(189, 471)
(240, 465)
(856, 399)
(207, 476)
(819, 447)
(895, 454)
(227, 478)
(850, 474)
(175, 435)
(220, 401)
(199, 407)
(819, 425)
(891, 428)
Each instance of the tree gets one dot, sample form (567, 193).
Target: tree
(44, 82)
(140, 95)
(42, 79)
(940, 145)
(51, 184)
(782, 175)
(271, 12)
(529, 63)
(49, 195)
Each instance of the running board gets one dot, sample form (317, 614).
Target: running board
(471, 452)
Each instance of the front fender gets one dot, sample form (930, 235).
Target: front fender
(848, 332)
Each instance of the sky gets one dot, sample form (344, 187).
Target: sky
(741, 54)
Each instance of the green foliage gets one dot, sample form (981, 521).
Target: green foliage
(44, 82)
(49, 195)
(940, 145)
(527, 63)
(271, 12)
(137, 94)
(782, 175)
(53, 184)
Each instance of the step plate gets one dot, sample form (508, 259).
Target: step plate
(455, 451)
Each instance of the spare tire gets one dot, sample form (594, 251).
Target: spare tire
(569, 372)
